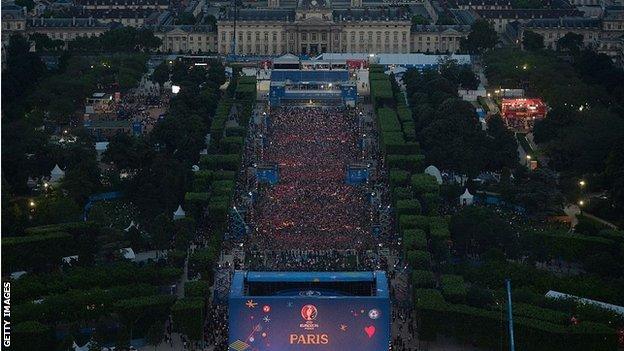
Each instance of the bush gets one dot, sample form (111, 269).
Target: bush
(412, 163)
(423, 183)
(406, 207)
(398, 177)
(220, 162)
(197, 288)
(453, 288)
(414, 239)
(422, 279)
(419, 259)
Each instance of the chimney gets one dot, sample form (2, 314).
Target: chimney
(74, 21)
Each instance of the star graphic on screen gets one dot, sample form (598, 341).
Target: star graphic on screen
(290, 304)
(266, 319)
(251, 304)
(343, 327)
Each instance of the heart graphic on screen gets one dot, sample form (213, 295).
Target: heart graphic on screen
(370, 330)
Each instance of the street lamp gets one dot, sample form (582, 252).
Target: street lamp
(582, 183)
(31, 203)
(581, 202)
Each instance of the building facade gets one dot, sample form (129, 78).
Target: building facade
(437, 38)
(553, 29)
(196, 39)
(313, 28)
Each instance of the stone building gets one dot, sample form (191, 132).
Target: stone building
(195, 39)
(552, 29)
(314, 27)
(437, 38)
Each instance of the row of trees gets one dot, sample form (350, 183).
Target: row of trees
(586, 100)
(448, 127)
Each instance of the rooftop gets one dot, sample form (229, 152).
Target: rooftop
(566, 22)
(529, 13)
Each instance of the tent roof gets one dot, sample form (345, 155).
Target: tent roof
(466, 195)
(128, 253)
(179, 211)
(57, 170)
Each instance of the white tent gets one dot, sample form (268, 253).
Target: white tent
(435, 172)
(56, 174)
(466, 198)
(179, 213)
(128, 253)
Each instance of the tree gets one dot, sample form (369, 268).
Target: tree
(161, 73)
(188, 317)
(155, 334)
(570, 42)
(532, 41)
(23, 69)
(477, 229)
(82, 180)
(503, 149)
(482, 37)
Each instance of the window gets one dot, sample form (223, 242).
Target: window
(323, 36)
(304, 36)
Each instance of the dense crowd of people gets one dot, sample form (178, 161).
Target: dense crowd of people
(314, 260)
(311, 207)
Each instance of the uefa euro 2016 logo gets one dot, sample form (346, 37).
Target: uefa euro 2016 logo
(309, 312)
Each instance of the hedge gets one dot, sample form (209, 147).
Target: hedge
(407, 207)
(231, 144)
(402, 147)
(27, 252)
(188, 317)
(422, 279)
(414, 239)
(388, 120)
(453, 288)
(475, 325)
(412, 163)
(401, 193)
(431, 202)
(398, 177)
(419, 259)
(197, 288)
(424, 183)
(229, 162)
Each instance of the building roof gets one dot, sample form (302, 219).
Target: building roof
(184, 27)
(122, 2)
(313, 4)
(483, 2)
(12, 11)
(528, 13)
(66, 22)
(435, 28)
(260, 15)
(365, 14)
(465, 17)
(108, 13)
(567, 22)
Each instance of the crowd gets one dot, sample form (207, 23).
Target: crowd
(216, 327)
(311, 207)
(313, 260)
(143, 107)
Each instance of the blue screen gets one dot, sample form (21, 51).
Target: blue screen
(307, 322)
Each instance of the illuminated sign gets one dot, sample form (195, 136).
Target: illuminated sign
(302, 323)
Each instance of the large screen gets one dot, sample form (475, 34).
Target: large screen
(309, 323)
